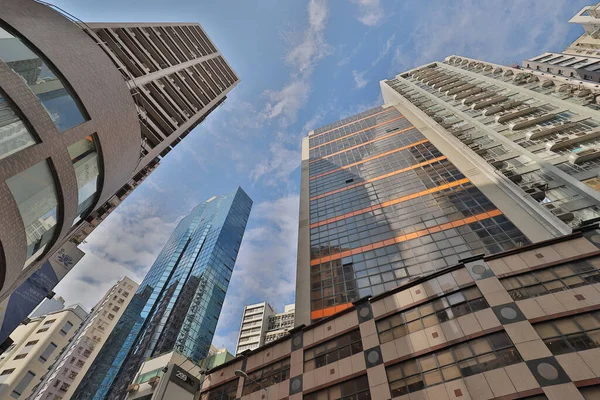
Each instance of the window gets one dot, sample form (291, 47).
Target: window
(434, 312)
(222, 392)
(49, 321)
(66, 328)
(4, 375)
(267, 376)
(462, 360)
(355, 389)
(14, 135)
(47, 352)
(25, 349)
(574, 333)
(86, 162)
(145, 377)
(72, 374)
(34, 191)
(42, 80)
(22, 386)
(42, 330)
(552, 279)
(340, 347)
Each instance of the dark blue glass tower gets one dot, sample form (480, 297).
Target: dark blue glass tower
(177, 306)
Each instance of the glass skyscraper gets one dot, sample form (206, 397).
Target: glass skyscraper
(177, 305)
(383, 201)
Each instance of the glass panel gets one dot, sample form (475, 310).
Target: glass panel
(14, 135)
(545, 330)
(432, 378)
(35, 193)
(42, 81)
(587, 321)
(566, 326)
(86, 162)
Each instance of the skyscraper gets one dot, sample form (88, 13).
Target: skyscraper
(88, 111)
(465, 157)
(179, 301)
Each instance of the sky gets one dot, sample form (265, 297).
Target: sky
(302, 65)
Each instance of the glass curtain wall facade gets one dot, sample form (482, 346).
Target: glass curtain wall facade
(177, 305)
(385, 206)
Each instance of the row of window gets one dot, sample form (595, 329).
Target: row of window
(462, 360)
(269, 375)
(553, 279)
(335, 349)
(574, 333)
(442, 309)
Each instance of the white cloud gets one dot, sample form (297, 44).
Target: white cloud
(370, 12)
(285, 103)
(359, 76)
(488, 31)
(266, 266)
(312, 46)
(125, 244)
(359, 79)
(280, 164)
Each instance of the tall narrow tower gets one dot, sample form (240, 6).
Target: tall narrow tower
(178, 303)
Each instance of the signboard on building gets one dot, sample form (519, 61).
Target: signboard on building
(31, 292)
(184, 379)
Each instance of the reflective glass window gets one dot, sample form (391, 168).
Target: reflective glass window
(86, 161)
(42, 80)
(34, 191)
(14, 135)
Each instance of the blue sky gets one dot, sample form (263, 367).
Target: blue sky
(302, 65)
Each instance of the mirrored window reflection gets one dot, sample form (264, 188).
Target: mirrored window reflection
(34, 191)
(44, 83)
(86, 162)
(14, 135)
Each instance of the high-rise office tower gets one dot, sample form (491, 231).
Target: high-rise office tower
(178, 303)
(261, 325)
(67, 372)
(37, 343)
(87, 112)
(465, 157)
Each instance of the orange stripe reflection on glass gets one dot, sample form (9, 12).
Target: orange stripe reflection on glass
(387, 153)
(357, 132)
(326, 312)
(377, 178)
(404, 238)
(350, 123)
(362, 144)
(390, 203)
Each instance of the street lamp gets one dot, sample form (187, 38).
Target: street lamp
(242, 374)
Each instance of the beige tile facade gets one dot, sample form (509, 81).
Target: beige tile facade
(528, 368)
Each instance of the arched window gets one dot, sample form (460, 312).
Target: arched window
(43, 81)
(34, 190)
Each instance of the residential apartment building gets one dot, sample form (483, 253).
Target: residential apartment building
(255, 321)
(589, 42)
(280, 324)
(261, 324)
(67, 372)
(36, 345)
(177, 305)
(520, 324)
(72, 148)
